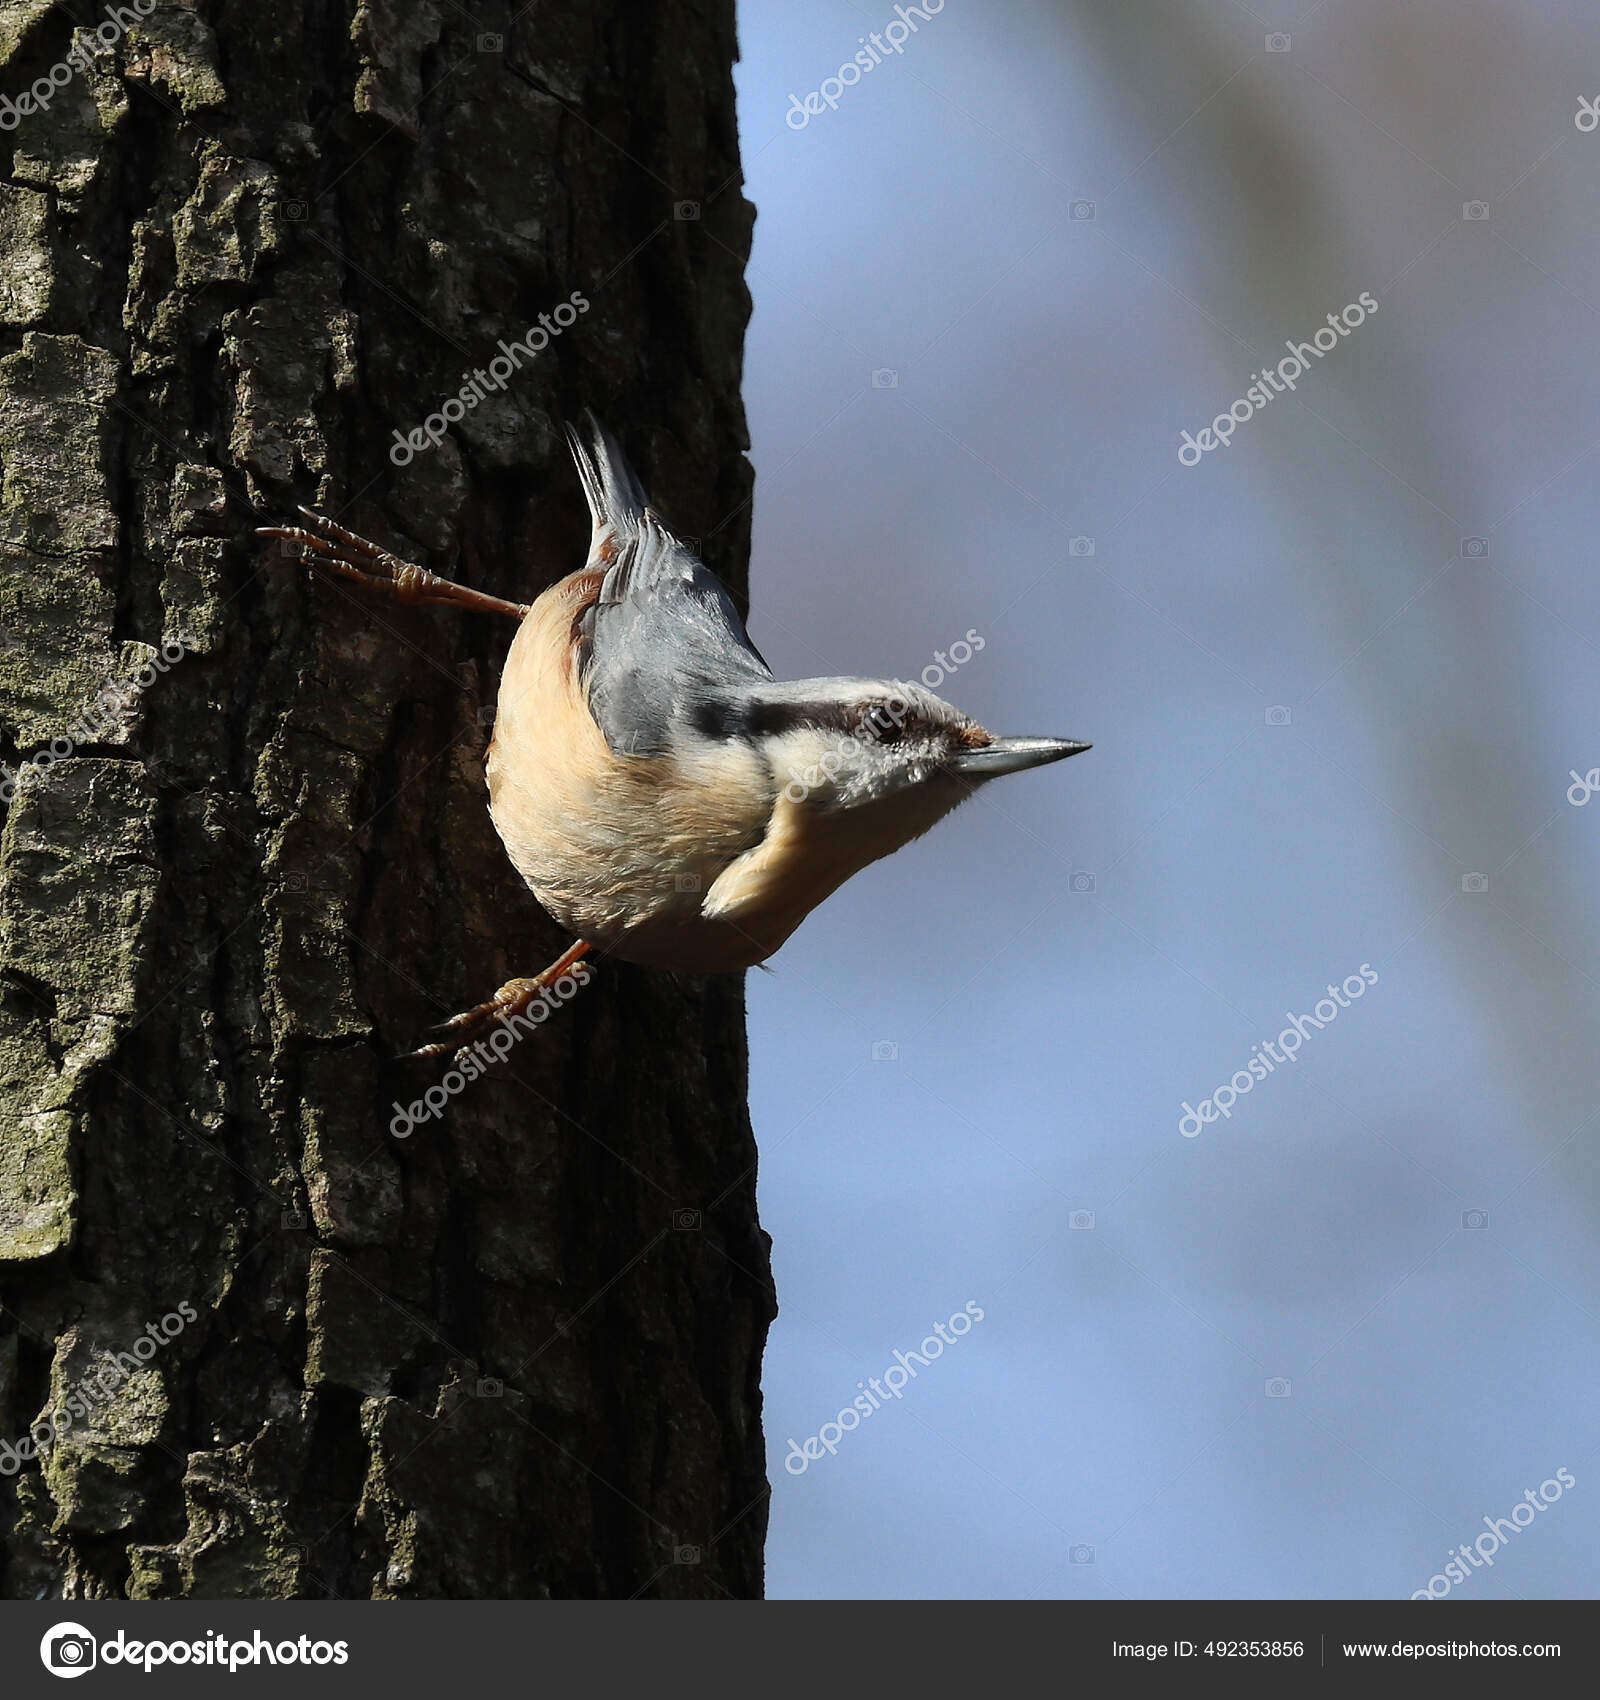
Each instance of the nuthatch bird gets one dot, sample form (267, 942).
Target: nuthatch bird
(666, 798)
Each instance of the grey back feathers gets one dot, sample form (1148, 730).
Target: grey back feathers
(667, 665)
(667, 651)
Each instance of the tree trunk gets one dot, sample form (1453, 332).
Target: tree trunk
(273, 1344)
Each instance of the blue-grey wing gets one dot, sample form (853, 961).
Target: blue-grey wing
(666, 651)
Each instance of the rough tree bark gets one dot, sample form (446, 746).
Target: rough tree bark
(515, 1354)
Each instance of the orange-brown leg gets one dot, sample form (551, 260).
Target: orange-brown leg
(511, 1000)
(332, 547)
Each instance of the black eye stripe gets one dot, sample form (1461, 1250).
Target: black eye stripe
(768, 719)
(866, 721)
(718, 720)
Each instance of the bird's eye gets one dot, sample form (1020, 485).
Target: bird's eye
(880, 726)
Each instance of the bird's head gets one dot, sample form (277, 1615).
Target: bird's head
(853, 770)
(845, 744)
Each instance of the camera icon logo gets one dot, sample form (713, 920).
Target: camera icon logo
(1081, 209)
(1080, 1219)
(686, 1221)
(1474, 209)
(68, 1649)
(1474, 882)
(296, 212)
(686, 882)
(1082, 882)
(686, 1555)
(885, 378)
(1475, 548)
(489, 1387)
(1278, 1388)
(686, 212)
(1474, 1218)
(491, 44)
(1277, 42)
(294, 1219)
(1279, 715)
(885, 1050)
(1081, 546)
(1081, 1554)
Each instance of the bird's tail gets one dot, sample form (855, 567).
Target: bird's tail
(611, 487)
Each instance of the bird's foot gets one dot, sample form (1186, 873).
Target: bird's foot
(335, 549)
(512, 1000)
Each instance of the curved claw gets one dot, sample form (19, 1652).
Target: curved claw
(511, 1000)
(334, 547)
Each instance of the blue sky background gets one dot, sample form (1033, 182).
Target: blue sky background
(1114, 1400)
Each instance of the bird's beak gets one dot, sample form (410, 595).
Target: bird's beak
(1012, 755)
